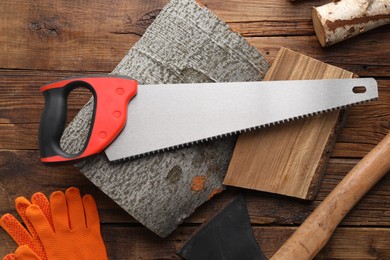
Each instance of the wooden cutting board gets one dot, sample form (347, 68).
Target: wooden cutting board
(290, 158)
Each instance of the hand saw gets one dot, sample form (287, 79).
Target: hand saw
(161, 117)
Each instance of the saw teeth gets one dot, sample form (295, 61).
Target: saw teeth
(172, 148)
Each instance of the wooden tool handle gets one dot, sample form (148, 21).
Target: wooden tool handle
(316, 230)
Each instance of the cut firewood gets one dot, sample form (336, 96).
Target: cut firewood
(341, 20)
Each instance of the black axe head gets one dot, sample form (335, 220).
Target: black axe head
(227, 236)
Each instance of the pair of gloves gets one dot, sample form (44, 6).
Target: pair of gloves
(67, 227)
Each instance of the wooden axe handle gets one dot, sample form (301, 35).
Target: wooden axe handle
(316, 230)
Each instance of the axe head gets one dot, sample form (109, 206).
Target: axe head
(228, 235)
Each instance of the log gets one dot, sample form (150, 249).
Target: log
(341, 20)
(185, 43)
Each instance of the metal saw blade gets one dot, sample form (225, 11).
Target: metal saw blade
(167, 116)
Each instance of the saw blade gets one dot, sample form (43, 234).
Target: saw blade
(173, 115)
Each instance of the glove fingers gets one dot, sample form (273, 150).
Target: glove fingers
(75, 208)
(16, 230)
(25, 253)
(40, 199)
(91, 213)
(59, 211)
(21, 205)
(9, 257)
(39, 221)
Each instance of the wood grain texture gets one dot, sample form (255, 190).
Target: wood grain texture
(23, 174)
(318, 228)
(288, 159)
(93, 36)
(47, 36)
(129, 242)
(342, 55)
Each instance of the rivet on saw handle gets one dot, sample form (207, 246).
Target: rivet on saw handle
(111, 95)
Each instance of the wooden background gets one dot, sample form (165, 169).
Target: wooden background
(41, 41)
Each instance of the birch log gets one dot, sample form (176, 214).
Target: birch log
(341, 20)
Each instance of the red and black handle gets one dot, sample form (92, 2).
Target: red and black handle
(111, 97)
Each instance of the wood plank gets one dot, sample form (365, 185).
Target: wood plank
(296, 27)
(34, 30)
(288, 159)
(23, 174)
(21, 101)
(276, 13)
(354, 55)
(375, 201)
(139, 243)
(364, 128)
(349, 55)
(51, 35)
(20, 136)
(346, 243)
(252, 10)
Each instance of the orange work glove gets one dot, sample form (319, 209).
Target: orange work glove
(21, 235)
(22, 253)
(76, 233)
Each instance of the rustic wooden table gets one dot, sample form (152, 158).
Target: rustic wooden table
(41, 41)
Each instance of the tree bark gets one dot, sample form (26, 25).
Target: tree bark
(341, 20)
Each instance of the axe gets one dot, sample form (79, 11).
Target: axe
(227, 237)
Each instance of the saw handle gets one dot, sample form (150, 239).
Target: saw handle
(111, 97)
(317, 229)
